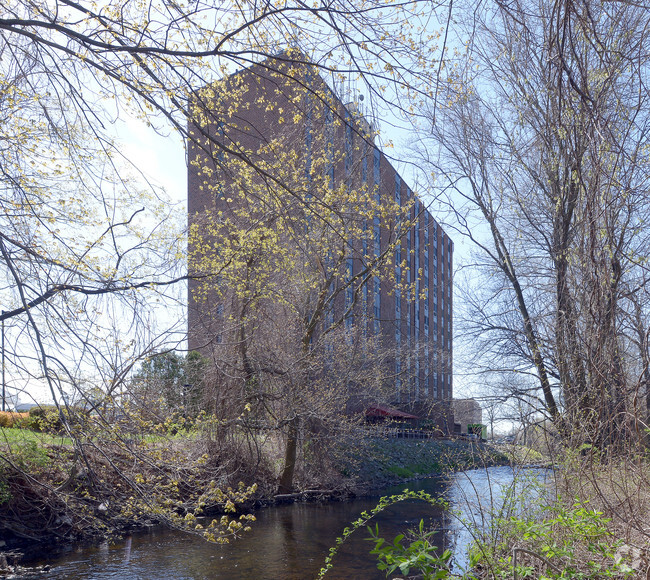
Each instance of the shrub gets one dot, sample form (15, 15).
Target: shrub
(45, 419)
(568, 541)
(9, 419)
(419, 554)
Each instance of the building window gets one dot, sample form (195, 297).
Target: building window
(329, 129)
(377, 303)
(408, 256)
(416, 267)
(349, 144)
(375, 166)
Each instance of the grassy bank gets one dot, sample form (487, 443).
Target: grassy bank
(386, 461)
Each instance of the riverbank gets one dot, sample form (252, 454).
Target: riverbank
(388, 461)
(288, 541)
(76, 507)
(381, 462)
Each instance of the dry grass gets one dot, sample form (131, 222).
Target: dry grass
(620, 488)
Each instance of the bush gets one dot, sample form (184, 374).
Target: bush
(9, 420)
(45, 419)
(419, 554)
(567, 541)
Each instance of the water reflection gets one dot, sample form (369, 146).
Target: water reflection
(291, 541)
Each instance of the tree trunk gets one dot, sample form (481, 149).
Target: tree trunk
(290, 452)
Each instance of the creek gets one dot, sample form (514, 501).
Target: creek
(290, 542)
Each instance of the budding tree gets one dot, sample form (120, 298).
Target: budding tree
(90, 252)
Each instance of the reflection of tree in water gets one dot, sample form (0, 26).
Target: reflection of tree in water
(291, 544)
(127, 548)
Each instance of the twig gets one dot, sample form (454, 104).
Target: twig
(516, 550)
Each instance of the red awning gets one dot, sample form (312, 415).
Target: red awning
(386, 411)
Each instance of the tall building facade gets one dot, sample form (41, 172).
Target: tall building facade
(277, 134)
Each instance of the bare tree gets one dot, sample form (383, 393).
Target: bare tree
(540, 139)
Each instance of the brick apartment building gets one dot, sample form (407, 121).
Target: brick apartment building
(283, 110)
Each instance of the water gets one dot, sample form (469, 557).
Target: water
(290, 542)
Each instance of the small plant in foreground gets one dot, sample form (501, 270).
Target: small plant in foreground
(420, 554)
(567, 542)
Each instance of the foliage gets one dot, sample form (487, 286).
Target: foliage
(9, 419)
(420, 554)
(366, 517)
(557, 541)
(177, 381)
(566, 541)
(171, 500)
(46, 419)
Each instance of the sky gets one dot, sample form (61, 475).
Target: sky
(162, 160)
